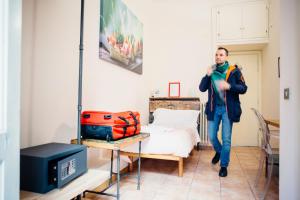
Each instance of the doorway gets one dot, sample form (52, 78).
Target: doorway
(245, 133)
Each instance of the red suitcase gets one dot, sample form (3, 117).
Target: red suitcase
(109, 126)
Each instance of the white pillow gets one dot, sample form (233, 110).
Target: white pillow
(176, 118)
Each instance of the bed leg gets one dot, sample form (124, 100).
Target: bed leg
(180, 167)
(131, 164)
(198, 146)
(192, 152)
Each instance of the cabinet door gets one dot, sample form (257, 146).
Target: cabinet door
(255, 20)
(229, 22)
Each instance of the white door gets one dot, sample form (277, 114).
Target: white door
(10, 57)
(245, 133)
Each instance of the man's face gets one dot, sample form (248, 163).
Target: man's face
(220, 56)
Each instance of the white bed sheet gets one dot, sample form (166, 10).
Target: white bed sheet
(166, 140)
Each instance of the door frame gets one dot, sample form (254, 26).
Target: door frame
(11, 28)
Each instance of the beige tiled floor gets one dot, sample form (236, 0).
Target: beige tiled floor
(159, 180)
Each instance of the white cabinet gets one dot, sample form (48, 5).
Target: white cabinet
(242, 23)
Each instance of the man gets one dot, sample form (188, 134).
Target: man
(224, 84)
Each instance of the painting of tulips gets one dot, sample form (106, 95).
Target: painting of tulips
(121, 36)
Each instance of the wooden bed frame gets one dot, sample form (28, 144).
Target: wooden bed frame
(187, 103)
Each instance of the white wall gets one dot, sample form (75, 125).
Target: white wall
(28, 36)
(290, 109)
(180, 46)
(52, 73)
(270, 79)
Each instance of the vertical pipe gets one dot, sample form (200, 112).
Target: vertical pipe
(202, 125)
(118, 175)
(79, 107)
(139, 166)
(111, 166)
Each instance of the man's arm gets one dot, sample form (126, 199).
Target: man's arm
(240, 86)
(205, 83)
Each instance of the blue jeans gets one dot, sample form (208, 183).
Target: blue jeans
(213, 128)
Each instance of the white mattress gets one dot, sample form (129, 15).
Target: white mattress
(166, 140)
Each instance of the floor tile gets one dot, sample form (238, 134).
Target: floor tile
(200, 181)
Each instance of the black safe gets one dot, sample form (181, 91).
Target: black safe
(53, 165)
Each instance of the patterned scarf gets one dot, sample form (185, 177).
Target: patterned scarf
(217, 76)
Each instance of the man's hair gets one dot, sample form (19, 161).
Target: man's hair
(223, 48)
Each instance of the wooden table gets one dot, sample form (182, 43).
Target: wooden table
(115, 146)
(273, 122)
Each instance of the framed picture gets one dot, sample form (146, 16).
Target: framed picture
(174, 89)
(121, 36)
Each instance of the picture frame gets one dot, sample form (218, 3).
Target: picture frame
(121, 36)
(174, 89)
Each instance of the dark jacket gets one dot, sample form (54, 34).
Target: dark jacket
(232, 101)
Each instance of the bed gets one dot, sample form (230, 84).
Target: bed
(174, 130)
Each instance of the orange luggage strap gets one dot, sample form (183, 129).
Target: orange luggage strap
(125, 127)
(135, 122)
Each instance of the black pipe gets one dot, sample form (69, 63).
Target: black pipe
(80, 73)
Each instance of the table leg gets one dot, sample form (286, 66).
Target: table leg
(267, 166)
(111, 166)
(118, 175)
(139, 166)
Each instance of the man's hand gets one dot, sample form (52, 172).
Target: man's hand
(209, 71)
(224, 85)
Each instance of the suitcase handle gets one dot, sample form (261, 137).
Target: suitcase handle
(107, 116)
(125, 127)
(86, 116)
